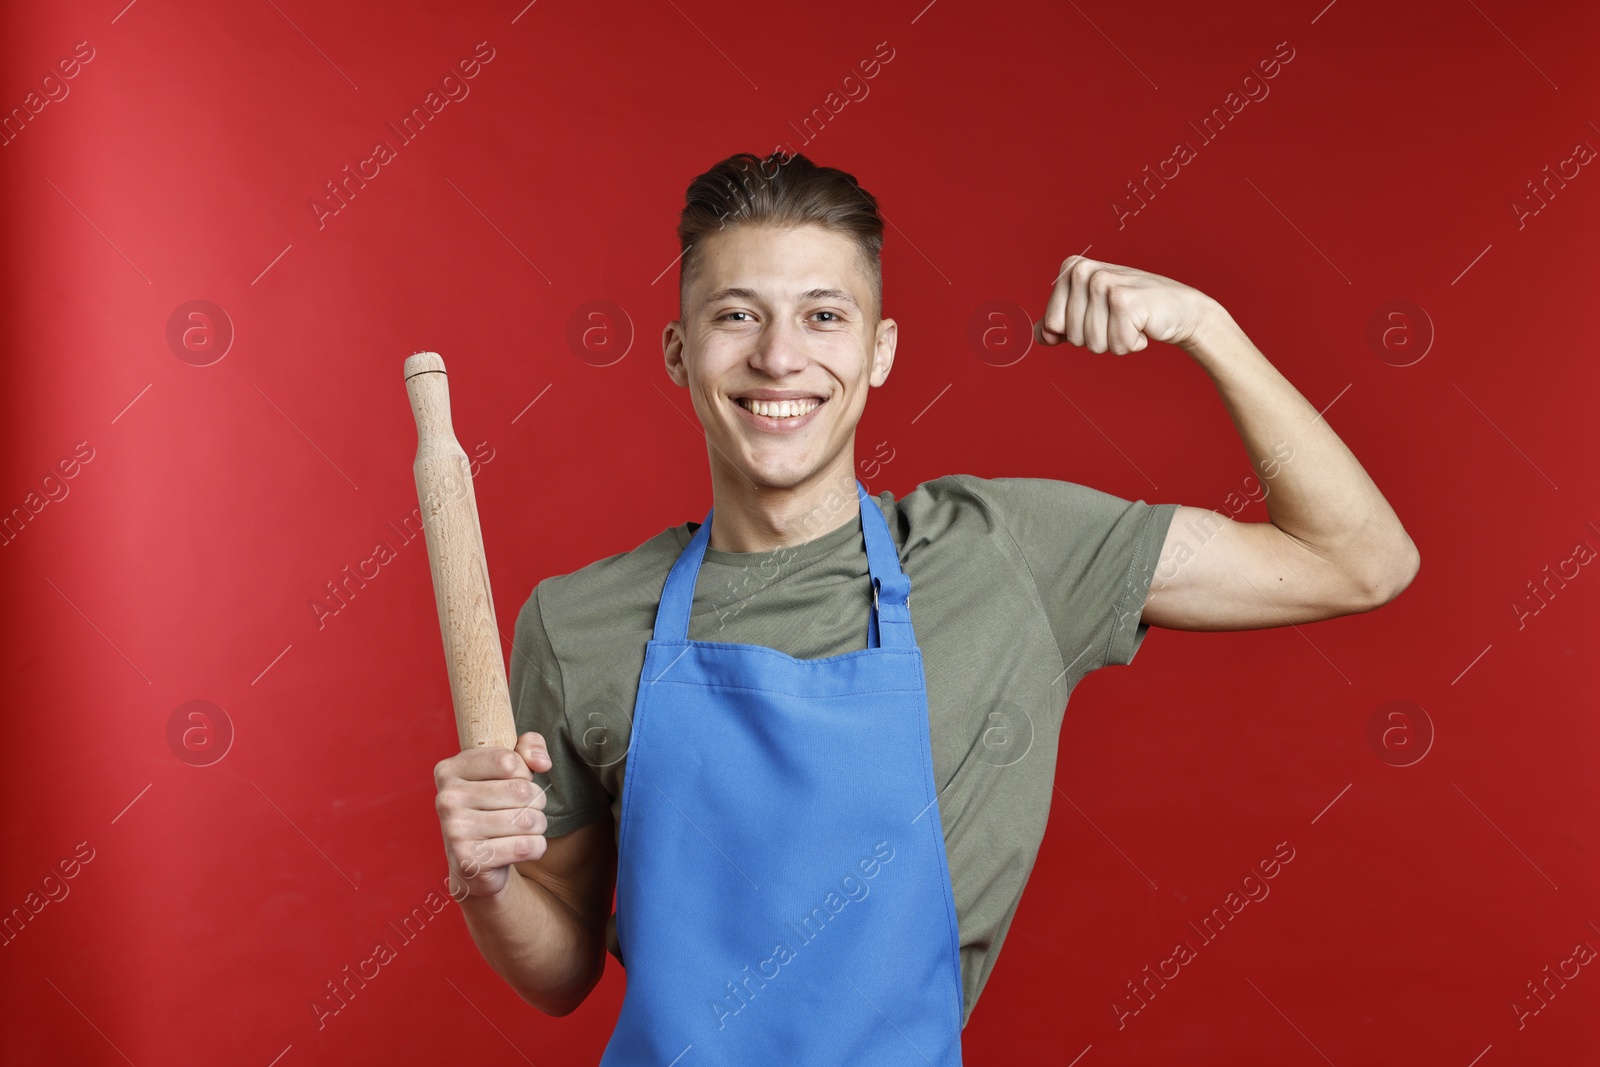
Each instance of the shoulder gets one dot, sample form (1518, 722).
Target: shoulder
(603, 593)
(968, 499)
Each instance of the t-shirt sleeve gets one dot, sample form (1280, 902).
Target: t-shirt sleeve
(574, 795)
(1092, 555)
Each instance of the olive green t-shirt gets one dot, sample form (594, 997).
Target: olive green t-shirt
(1019, 588)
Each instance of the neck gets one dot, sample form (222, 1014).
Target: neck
(762, 518)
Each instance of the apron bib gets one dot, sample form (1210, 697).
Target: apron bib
(783, 893)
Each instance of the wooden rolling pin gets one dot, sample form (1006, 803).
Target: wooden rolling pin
(460, 571)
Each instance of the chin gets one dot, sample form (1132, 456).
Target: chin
(776, 467)
(778, 479)
(777, 476)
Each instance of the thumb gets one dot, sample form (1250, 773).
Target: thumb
(531, 747)
(1045, 336)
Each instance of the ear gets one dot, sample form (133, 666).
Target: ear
(883, 350)
(672, 350)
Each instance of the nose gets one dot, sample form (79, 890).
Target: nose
(780, 350)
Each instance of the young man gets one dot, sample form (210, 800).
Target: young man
(817, 805)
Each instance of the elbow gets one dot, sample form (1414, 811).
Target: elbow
(554, 1005)
(565, 1001)
(1394, 578)
(553, 1008)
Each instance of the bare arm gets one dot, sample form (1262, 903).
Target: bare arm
(545, 932)
(536, 907)
(1333, 546)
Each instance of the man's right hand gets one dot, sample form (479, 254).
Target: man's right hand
(491, 813)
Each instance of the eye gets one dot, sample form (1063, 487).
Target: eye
(835, 315)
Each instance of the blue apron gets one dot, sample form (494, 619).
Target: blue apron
(783, 894)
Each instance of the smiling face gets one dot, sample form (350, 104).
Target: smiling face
(779, 342)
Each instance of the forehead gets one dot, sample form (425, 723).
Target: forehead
(780, 261)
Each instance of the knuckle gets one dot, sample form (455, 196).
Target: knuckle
(526, 818)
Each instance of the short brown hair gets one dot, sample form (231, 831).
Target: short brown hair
(784, 189)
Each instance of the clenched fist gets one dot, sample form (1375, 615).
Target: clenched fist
(491, 813)
(1106, 307)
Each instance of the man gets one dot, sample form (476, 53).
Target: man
(816, 840)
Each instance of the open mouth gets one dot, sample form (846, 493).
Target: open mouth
(781, 409)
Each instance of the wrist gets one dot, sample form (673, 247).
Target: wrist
(1216, 338)
(1211, 326)
(488, 904)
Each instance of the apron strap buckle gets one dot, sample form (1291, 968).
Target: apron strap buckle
(875, 584)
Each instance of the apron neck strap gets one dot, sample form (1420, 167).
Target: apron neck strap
(889, 620)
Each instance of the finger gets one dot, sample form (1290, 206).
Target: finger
(513, 822)
(478, 764)
(1122, 330)
(489, 854)
(1051, 328)
(1077, 284)
(503, 852)
(489, 764)
(1126, 336)
(498, 794)
(1097, 314)
(534, 751)
(493, 839)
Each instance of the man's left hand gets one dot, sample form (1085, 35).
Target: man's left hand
(1107, 307)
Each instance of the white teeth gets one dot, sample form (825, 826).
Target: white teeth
(780, 409)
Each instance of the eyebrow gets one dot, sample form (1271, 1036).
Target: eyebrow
(738, 293)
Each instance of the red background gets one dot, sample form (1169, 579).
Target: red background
(183, 560)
